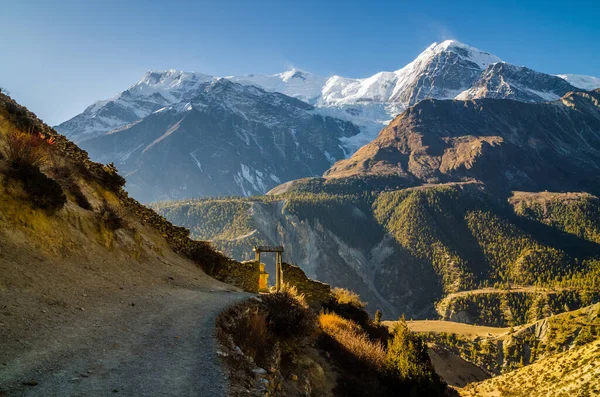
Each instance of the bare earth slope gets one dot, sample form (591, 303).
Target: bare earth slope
(98, 295)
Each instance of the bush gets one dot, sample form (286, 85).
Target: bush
(245, 325)
(252, 335)
(43, 192)
(111, 178)
(112, 217)
(24, 149)
(80, 198)
(25, 153)
(288, 315)
(348, 305)
(204, 254)
(64, 175)
(346, 297)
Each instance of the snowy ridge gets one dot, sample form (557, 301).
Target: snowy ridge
(306, 120)
(506, 81)
(385, 87)
(295, 83)
(446, 70)
(581, 81)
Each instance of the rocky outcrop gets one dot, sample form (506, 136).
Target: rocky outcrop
(506, 144)
(505, 81)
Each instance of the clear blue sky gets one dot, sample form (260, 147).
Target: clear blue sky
(59, 56)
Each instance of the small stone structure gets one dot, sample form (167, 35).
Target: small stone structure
(278, 261)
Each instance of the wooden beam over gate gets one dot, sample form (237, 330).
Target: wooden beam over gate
(267, 248)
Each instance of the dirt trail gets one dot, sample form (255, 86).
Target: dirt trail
(163, 344)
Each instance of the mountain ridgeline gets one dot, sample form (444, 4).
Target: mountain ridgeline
(229, 139)
(181, 134)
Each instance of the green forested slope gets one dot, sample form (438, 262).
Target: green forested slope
(419, 244)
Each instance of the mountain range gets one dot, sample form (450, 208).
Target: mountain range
(244, 135)
(450, 198)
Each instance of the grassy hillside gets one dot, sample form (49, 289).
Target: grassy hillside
(71, 240)
(572, 373)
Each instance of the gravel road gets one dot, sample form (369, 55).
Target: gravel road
(159, 344)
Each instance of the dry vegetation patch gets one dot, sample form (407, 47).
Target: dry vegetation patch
(568, 374)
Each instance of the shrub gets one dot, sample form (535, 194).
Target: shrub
(24, 149)
(378, 315)
(288, 315)
(251, 334)
(111, 178)
(204, 254)
(80, 198)
(331, 322)
(348, 305)
(407, 354)
(43, 192)
(112, 217)
(245, 325)
(346, 297)
(64, 175)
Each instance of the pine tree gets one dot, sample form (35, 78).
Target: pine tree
(378, 317)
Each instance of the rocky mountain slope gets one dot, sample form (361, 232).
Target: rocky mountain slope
(507, 144)
(505, 81)
(342, 115)
(403, 250)
(488, 352)
(229, 139)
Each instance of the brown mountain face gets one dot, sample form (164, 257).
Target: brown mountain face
(506, 144)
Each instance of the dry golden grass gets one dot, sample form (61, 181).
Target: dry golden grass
(572, 373)
(466, 330)
(350, 336)
(331, 322)
(347, 297)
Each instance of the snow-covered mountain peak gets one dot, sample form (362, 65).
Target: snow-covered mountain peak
(442, 70)
(171, 84)
(472, 54)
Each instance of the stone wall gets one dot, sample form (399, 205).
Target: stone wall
(241, 274)
(316, 292)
